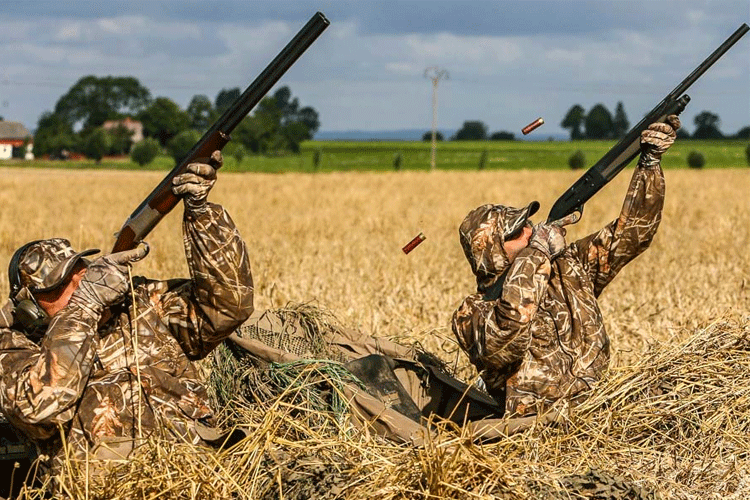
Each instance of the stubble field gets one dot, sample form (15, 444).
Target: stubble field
(335, 239)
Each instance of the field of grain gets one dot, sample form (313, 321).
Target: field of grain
(334, 239)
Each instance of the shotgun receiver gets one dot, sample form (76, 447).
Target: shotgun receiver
(161, 200)
(628, 148)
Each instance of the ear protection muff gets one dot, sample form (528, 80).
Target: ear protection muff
(31, 317)
(27, 311)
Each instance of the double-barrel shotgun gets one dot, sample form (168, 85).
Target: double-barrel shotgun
(161, 200)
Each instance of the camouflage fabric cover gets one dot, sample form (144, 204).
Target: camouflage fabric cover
(534, 329)
(107, 385)
(289, 335)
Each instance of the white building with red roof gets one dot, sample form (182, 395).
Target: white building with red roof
(15, 135)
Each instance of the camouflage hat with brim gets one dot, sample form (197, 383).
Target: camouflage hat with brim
(44, 265)
(482, 234)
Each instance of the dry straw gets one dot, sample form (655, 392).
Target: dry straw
(673, 425)
(670, 418)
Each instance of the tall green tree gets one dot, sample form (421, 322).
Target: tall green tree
(96, 144)
(120, 140)
(471, 131)
(278, 124)
(294, 120)
(179, 145)
(201, 112)
(145, 151)
(573, 120)
(53, 135)
(225, 98)
(163, 119)
(310, 119)
(253, 134)
(598, 123)
(620, 123)
(92, 100)
(707, 126)
(743, 133)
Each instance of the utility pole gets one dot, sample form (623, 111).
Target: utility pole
(435, 74)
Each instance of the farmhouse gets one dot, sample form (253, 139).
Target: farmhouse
(134, 126)
(14, 135)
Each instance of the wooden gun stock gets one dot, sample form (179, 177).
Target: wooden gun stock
(161, 200)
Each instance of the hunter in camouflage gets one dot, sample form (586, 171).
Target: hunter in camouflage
(113, 363)
(533, 328)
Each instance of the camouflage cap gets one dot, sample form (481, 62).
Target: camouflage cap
(482, 234)
(43, 265)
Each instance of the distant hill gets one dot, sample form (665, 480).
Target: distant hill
(412, 135)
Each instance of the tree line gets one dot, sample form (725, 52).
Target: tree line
(472, 130)
(599, 123)
(277, 125)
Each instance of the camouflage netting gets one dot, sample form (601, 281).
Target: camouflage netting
(238, 379)
(303, 331)
(673, 425)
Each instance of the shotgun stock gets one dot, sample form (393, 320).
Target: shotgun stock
(161, 200)
(628, 148)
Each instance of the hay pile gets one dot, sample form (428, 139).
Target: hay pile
(672, 425)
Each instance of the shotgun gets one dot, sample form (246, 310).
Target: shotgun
(628, 148)
(161, 200)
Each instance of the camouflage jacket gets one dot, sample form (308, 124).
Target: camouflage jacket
(541, 337)
(103, 385)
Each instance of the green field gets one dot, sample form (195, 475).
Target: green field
(415, 155)
(516, 155)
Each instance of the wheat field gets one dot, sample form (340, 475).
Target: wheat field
(335, 240)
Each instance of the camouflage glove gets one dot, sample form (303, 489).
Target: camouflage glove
(105, 281)
(656, 139)
(196, 182)
(550, 238)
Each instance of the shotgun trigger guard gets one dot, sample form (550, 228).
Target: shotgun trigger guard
(578, 209)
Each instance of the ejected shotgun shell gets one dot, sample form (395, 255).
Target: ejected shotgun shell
(413, 243)
(531, 126)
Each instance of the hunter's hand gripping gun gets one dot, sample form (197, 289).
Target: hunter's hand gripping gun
(628, 148)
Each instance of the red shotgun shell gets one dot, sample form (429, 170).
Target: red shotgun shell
(531, 126)
(413, 243)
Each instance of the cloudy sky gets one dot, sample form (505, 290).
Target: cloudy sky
(508, 62)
